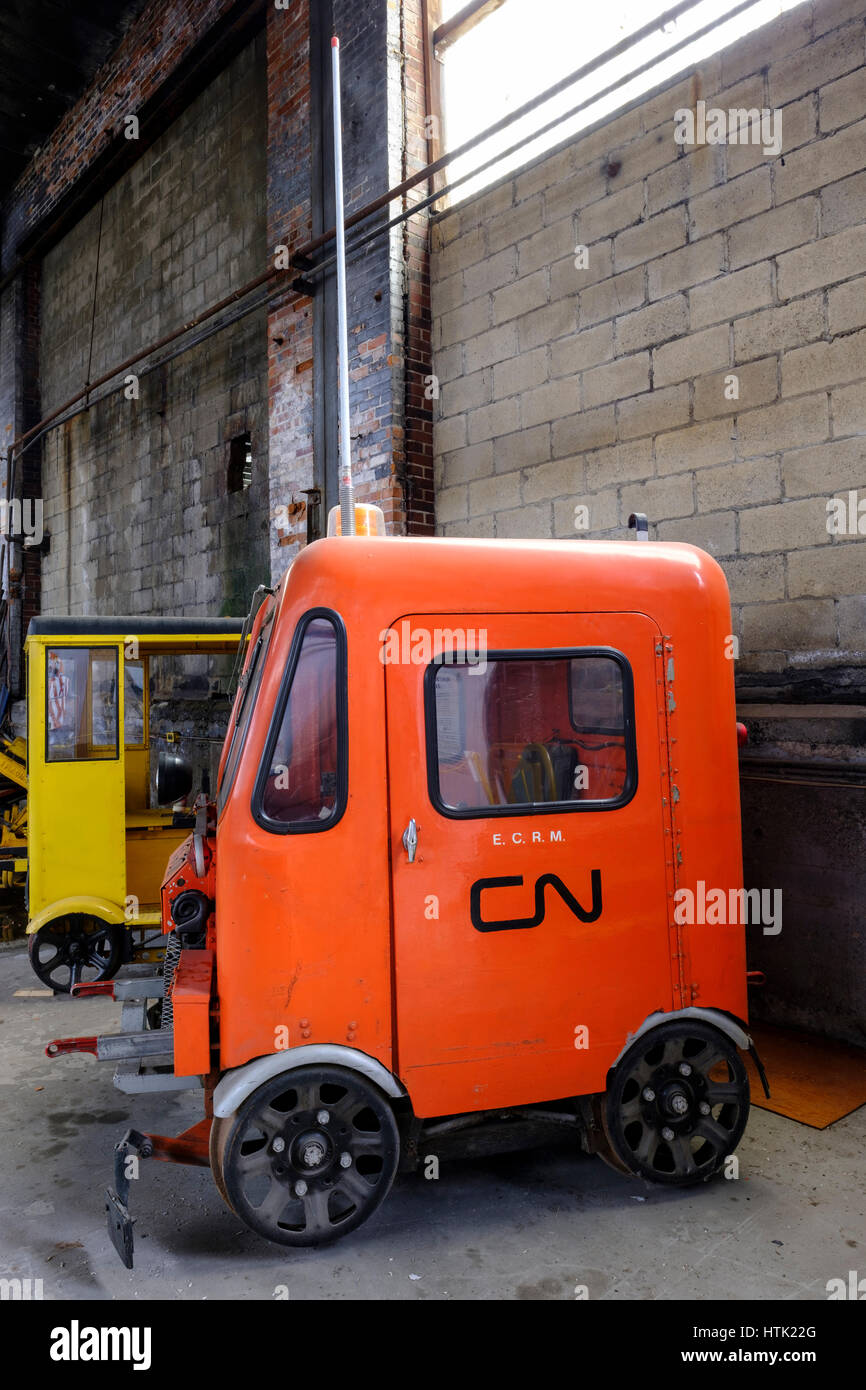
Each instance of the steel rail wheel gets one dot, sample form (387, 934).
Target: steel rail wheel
(76, 949)
(678, 1103)
(308, 1156)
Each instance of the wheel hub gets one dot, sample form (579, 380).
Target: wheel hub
(676, 1101)
(312, 1151)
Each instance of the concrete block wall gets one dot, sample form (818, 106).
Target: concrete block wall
(607, 385)
(135, 490)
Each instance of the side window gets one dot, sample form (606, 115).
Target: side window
(81, 704)
(134, 732)
(243, 711)
(527, 731)
(302, 780)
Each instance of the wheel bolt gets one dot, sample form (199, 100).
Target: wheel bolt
(684, 1069)
(279, 1145)
(649, 1093)
(345, 1160)
(322, 1118)
(667, 1133)
(704, 1107)
(300, 1188)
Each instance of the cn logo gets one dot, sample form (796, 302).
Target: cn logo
(514, 923)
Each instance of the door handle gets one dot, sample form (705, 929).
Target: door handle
(410, 840)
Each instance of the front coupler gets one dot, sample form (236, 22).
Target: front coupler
(191, 1147)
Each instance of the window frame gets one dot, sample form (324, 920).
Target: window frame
(312, 827)
(254, 675)
(545, 808)
(102, 755)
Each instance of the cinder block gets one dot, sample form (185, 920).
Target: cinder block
(551, 401)
(822, 263)
(738, 485)
(660, 498)
(577, 191)
(452, 504)
(547, 246)
(832, 571)
(721, 207)
(463, 322)
(460, 253)
(567, 278)
(520, 298)
(788, 425)
(449, 434)
(702, 260)
(785, 526)
(514, 224)
(774, 330)
(530, 523)
(613, 296)
(824, 364)
(585, 430)
(494, 494)
(716, 533)
(493, 346)
(691, 356)
(698, 446)
(667, 318)
(842, 101)
(783, 627)
(464, 393)
(755, 578)
(490, 273)
(602, 510)
(734, 294)
(627, 376)
(548, 323)
(502, 417)
(816, 64)
(565, 476)
(476, 528)
(618, 209)
(851, 619)
(653, 238)
(843, 204)
(653, 412)
(848, 410)
(521, 450)
(520, 373)
(622, 463)
(586, 348)
(757, 384)
(772, 232)
(825, 468)
(465, 465)
(823, 161)
(688, 176)
(643, 155)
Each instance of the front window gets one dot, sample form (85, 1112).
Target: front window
(81, 700)
(531, 731)
(244, 705)
(301, 785)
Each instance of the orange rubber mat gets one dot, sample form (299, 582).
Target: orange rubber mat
(812, 1080)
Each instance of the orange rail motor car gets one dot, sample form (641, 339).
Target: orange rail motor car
(435, 906)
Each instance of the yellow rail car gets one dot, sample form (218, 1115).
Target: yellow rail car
(102, 823)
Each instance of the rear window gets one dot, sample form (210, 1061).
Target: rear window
(530, 732)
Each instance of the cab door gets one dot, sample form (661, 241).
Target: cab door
(76, 791)
(529, 880)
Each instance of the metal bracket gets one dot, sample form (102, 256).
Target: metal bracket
(120, 1223)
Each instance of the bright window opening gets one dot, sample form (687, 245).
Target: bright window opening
(518, 51)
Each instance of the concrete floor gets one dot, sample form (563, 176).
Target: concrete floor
(527, 1226)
